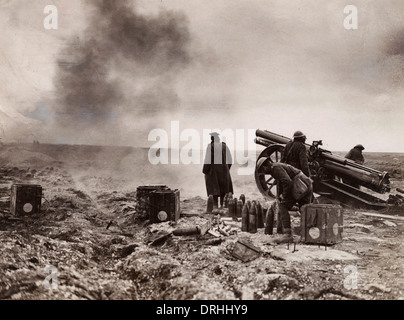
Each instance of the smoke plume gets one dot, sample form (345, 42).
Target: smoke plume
(123, 67)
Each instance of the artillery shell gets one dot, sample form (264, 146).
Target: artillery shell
(279, 227)
(244, 218)
(239, 208)
(260, 216)
(209, 207)
(252, 223)
(242, 198)
(232, 209)
(235, 210)
(186, 231)
(226, 200)
(269, 224)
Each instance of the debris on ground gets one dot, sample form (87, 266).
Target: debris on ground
(86, 231)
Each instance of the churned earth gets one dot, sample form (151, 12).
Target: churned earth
(89, 234)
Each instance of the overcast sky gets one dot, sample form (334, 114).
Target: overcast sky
(276, 65)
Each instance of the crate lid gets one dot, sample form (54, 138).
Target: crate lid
(25, 185)
(152, 187)
(165, 191)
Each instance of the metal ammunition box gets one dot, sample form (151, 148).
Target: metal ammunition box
(143, 199)
(321, 223)
(25, 199)
(164, 205)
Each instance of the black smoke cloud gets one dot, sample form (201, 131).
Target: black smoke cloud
(125, 64)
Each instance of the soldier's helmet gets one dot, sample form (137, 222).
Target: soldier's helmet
(360, 147)
(299, 134)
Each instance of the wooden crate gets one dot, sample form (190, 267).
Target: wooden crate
(164, 205)
(321, 223)
(25, 199)
(143, 199)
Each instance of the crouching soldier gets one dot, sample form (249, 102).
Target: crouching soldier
(290, 195)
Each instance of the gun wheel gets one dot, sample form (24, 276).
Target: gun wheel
(268, 185)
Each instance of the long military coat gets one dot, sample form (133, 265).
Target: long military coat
(216, 168)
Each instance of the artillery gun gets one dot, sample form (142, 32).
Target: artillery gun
(328, 173)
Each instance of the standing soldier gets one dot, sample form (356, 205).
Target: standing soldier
(355, 154)
(216, 168)
(295, 153)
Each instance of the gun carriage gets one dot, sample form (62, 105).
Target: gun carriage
(328, 173)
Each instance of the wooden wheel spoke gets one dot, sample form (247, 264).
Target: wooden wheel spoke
(267, 184)
(271, 185)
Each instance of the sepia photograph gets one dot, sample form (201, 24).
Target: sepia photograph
(219, 152)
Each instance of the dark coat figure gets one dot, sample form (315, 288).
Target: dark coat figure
(295, 153)
(355, 154)
(284, 174)
(216, 168)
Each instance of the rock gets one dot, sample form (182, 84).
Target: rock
(245, 250)
(389, 223)
(127, 250)
(360, 227)
(270, 282)
(217, 270)
(33, 260)
(213, 242)
(158, 238)
(374, 287)
(214, 233)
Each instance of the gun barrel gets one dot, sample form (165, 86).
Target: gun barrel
(262, 142)
(272, 137)
(374, 181)
(347, 162)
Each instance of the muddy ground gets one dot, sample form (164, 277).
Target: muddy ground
(88, 231)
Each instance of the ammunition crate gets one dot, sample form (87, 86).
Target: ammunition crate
(321, 224)
(143, 199)
(25, 199)
(164, 205)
